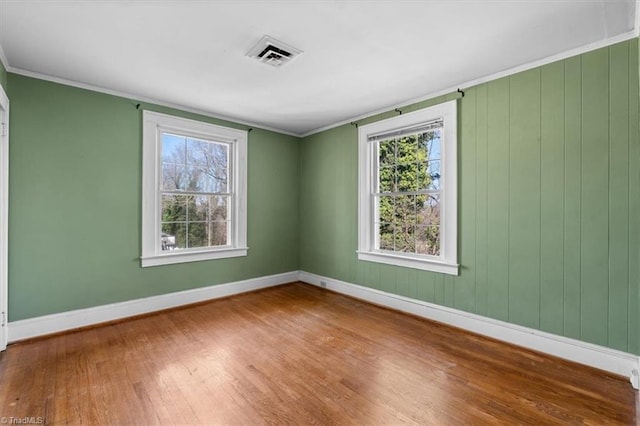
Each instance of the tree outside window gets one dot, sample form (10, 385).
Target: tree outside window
(408, 195)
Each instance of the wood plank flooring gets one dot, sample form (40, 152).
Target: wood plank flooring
(296, 354)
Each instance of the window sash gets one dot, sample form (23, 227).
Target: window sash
(374, 141)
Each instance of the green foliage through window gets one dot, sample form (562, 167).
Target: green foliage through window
(408, 193)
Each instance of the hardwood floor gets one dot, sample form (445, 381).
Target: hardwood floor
(296, 354)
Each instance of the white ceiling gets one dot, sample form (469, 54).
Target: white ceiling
(358, 56)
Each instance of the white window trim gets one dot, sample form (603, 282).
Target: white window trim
(447, 261)
(153, 125)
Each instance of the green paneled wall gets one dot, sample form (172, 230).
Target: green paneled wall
(75, 207)
(549, 202)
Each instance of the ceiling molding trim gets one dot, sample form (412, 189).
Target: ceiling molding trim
(511, 71)
(635, 33)
(144, 99)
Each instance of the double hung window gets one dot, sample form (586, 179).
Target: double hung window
(194, 190)
(407, 190)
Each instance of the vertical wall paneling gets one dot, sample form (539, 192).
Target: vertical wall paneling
(412, 279)
(347, 205)
(482, 196)
(439, 289)
(498, 205)
(549, 199)
(573, 195)
(524, 199)
(552, 198)
(426, 289)
(402, 282)
(388, 278)
(618, 196)
(595, 196)
(373, 279)
(634, 200)
(464, 285)
(449, 290)
(361, 273)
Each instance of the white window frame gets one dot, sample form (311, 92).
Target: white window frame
(154, 124)
(447, 262)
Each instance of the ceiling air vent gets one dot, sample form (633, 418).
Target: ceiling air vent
(273, 52)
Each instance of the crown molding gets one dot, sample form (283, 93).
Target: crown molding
(635, 33)
(475, 82)
(133, 96)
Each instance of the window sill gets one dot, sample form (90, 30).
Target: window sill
(410, 262)
(191, 256)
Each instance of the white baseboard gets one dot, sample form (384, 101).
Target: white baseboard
(54, 323)
(617, 362)
(614, 361)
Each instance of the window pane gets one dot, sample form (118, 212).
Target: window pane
(428, 240)
(409, 223)
(385, 208)
(387, 179)
(219, 208)
(198, 208)
(174, 208)
(422, 177)
(406, 176)
(432, 178)
(404, 210)
(428, 209)
(194, 165)
(196, 179)
(221, 180)
(174, 236)
(207, 154)
(405, 238)
(198, 152)
(174, 177)
(218, 233)
(387, 152)
(385, 234)
(173, 149)
(190, 221)
(197, 235)
(406, 149)
(429, 144)
(410, 163)
(405, 219)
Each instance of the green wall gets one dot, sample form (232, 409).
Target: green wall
(549, 198)
(75, 204)
(549, 202)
